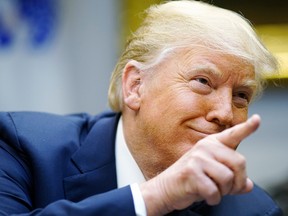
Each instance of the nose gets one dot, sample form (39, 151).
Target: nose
(221, 109)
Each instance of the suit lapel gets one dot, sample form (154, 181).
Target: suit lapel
(95, 160)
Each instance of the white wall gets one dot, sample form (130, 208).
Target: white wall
(71, 73)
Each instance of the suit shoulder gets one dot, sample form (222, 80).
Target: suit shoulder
(36, 118)
(36, 127)
(19, 128)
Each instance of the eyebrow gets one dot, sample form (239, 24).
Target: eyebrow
(249, 83)
(210, 69)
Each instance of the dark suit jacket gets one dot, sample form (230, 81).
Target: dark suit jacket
(65, 165)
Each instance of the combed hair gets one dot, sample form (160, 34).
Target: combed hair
(187, 23)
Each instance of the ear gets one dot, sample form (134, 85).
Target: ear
(131, 81)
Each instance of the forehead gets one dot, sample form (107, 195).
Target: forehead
(205, 56)
(216, 63)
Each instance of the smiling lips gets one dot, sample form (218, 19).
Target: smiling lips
(205, 131)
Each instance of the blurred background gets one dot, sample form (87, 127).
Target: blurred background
(57, 56)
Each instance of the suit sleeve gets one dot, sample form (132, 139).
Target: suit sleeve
(276, 211)
(16, 199)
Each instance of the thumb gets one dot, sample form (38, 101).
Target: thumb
(234, 135)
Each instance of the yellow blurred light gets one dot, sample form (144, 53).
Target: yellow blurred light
(275, 38)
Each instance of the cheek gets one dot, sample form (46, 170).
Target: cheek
(178, 104)
(191, 102)
(173, 103)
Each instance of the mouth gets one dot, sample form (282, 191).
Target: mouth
(202, 133)
(197, 134)
(205, 133)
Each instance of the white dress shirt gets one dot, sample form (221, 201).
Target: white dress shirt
(128, 172)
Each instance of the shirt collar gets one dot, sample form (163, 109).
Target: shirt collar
(127, 170)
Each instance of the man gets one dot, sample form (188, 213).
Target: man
(180, 93)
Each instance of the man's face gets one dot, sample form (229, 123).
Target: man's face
(190, 95)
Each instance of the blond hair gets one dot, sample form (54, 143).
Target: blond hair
(176, 24)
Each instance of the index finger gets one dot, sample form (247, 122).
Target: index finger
(233, 136)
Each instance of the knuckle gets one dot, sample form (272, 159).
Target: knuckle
(241, 162)
(240, 183)
(209, 190)
(238, 187)
(190, 171)
(227, 177)
(226, 183)
(213, 197)
(213, 193)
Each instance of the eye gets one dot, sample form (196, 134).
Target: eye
(202, 80)
(241, 99)
(201, 85)
(243, 95)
